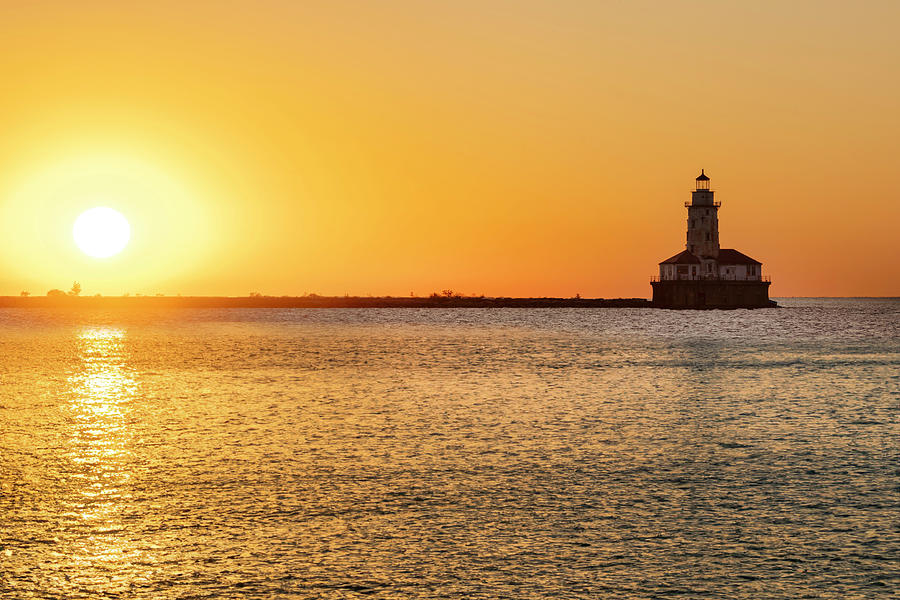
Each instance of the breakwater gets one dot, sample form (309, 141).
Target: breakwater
(312, 301)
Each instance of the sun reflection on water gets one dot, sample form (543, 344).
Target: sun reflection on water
(100, 391)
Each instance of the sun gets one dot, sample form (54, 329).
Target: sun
(101, 232)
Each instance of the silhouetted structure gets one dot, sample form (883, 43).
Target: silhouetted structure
(704, 275)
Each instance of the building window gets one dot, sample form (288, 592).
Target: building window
(707, 236)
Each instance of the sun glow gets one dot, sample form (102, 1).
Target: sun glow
(101, 232)
(166, 229)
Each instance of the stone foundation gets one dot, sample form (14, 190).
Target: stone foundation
(709, 294)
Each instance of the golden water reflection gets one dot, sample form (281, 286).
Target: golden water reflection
(100, 393)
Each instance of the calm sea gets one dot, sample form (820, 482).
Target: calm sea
(457, 453)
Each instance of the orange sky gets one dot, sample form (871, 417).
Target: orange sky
(504, 148)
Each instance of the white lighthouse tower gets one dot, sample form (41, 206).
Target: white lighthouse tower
(703, 225)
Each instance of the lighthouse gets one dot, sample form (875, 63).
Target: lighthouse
(704, 275)
(703, 221)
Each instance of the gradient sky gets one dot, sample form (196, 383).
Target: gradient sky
(498, 148)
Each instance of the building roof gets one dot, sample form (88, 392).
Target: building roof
(728, 256)
(702, 176)
(683, 258)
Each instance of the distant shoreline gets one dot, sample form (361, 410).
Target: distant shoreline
(144, 302)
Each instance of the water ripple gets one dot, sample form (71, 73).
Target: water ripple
(452, 453)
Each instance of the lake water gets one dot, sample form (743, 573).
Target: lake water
(452, 453)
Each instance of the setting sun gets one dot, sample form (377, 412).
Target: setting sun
(101, 232)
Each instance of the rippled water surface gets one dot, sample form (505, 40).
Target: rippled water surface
(471, 453)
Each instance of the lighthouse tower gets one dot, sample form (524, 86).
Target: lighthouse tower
(703, 223)
(703, 275)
